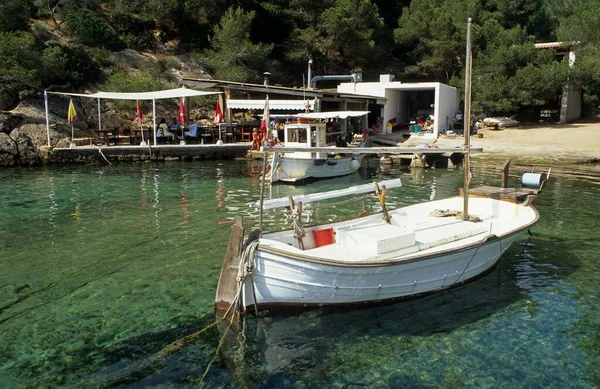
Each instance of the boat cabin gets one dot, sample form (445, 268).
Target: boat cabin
(308, 133)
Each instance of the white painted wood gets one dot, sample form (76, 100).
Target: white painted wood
(445, 251)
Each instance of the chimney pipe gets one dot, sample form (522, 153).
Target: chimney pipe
(309, 74)
(266, 79)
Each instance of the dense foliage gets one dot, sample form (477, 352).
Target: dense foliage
(417, 40)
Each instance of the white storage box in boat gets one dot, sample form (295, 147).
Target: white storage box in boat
(376, 238)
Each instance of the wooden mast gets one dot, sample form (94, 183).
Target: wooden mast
(467, 121)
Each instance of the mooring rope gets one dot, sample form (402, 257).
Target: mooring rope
(102, 154)
(469, 263)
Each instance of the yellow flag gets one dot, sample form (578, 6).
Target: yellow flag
(71, 115)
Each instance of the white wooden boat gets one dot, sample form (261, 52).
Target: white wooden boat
(366, 260)
(308, 131)
(398, 254)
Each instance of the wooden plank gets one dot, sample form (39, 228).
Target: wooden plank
(227, 287)
(514, 195)
(368, 150)
(305, 199)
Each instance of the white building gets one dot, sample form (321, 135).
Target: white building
(403, 102)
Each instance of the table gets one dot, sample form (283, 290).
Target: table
(136, 135)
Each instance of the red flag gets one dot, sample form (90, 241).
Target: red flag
(140, 118)
(264, 123)
(218, 113)
(181, 112)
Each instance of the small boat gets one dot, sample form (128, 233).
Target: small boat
(308, 131)
(389, 255)
(499, 122)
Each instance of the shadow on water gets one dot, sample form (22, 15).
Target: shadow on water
(284, 349)
(177, 355)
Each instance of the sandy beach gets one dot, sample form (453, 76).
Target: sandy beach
(559, 143)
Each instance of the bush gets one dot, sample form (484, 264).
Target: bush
(20, 55)
(135, 33)
(80, 68)
(14, 16)
(93, 30)
(143, 81)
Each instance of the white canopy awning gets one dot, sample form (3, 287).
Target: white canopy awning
(292, 105)
(155, 95)
(333, 114)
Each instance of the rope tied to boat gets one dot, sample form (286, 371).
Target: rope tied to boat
(246, 263)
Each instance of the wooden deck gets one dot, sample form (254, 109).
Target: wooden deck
(513, 195)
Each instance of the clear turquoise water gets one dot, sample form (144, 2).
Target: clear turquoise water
(102, 266)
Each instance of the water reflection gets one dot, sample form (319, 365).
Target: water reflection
(130, 283)
(321, 346)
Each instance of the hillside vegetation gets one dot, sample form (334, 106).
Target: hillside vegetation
(141, 45)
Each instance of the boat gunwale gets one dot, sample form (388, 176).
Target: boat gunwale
(389, 262)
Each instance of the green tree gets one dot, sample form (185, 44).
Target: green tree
(511, 73)
(232, 55)
(348, 33)
(20, 56)
(14, 16)
(433, 36)
(339, 36)
(93, 30)
(581, 24)
(59, 10)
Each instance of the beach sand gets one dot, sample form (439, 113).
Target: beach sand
(560, 143)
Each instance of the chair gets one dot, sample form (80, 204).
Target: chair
(246, 135)
(206, 136)
(191, 139)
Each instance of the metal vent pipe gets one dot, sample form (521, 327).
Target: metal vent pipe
(356, 77)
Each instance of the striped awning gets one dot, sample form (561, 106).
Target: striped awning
(288, 105)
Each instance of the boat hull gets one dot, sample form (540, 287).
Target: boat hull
(372, 261)
(285, 281)
(293, 169)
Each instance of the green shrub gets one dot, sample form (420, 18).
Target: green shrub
(135, 33)
(80, 68)
(20, 55)
(142, 81)
(102, 57)
(93, 30)
(14, 16)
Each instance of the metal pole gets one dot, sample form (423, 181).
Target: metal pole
(467, 121)
(99, 117)
(262, 190)
(154, 119)
(47, 116)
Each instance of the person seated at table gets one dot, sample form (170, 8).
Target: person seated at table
(255, 140)
(163, 130)
(173, 125)
(192, 129)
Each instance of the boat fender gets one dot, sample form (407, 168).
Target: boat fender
(252, 236)
(535, 180)
(355, 163)
(319, 162)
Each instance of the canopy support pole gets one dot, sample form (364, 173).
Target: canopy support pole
(47, 117)
(154, 119)
(99, 117)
